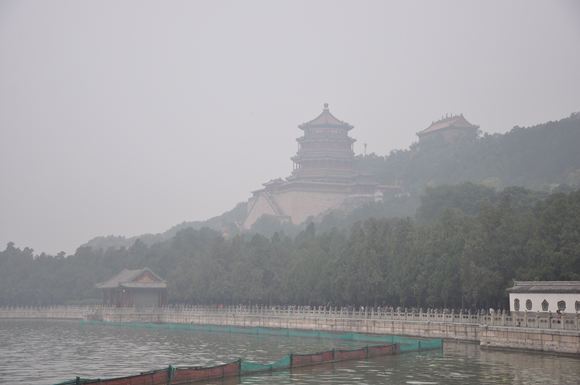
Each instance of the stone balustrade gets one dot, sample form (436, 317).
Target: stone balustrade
(519, 319)
(529, 331)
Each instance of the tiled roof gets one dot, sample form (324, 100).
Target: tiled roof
(127, 278)
(143, 285)
(545, 287)
(326, 118)
(457, 121)
(273, 181)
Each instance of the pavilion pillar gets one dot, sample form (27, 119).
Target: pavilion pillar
(166, 298)
(104, 298)
(159, 300)
(123, 299)
(131, 298)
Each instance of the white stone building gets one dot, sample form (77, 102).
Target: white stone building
(544, 296)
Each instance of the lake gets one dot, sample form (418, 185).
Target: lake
(48, 352)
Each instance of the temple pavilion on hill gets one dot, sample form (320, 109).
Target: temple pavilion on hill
(134, 288)
(325, 152)
(454, 128)
(325, 176)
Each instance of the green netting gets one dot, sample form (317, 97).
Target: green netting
(361, 337)
(430, 344)
(409, 348)
(272, 332)
(405, 342)
(221, 329)
(250, 367)
(401, 340)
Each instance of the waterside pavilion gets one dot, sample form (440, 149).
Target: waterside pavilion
(134, 288)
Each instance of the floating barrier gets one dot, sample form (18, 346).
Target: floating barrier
(172, 375)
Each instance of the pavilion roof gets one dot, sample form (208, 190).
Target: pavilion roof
(545, 287)
(273, 182)
(456, 121)
(134, 279)
(326, 119)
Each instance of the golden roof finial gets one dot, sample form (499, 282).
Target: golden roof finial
(326, 106)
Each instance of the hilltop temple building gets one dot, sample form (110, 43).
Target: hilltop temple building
(452, 129)
(325, 176)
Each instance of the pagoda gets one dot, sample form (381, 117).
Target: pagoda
(325, 152)
(325, 176)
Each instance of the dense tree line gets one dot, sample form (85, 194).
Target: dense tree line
(464, 249)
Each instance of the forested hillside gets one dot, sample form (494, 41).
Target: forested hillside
(544, 158)
(456, 237)
(465, 256)
(538, 158)
(227, 221)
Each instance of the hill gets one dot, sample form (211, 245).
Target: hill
(453, 260)
(526, 163)
(225, 223)
(543, 158)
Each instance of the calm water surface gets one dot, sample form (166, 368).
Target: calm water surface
(47, 352)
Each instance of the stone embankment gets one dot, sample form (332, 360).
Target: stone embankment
(537, 332)
(52, 312)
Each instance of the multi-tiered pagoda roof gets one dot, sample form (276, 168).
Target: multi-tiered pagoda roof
(325, 153)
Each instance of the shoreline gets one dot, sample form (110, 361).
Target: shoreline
(517, 338)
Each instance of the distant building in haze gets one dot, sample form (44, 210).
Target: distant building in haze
(452, 129)
(325, 176)
(134, 288)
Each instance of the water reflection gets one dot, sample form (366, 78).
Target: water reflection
(46, 352)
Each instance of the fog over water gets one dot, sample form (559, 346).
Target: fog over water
(130, 117)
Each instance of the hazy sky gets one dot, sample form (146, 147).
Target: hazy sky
(130, 117)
